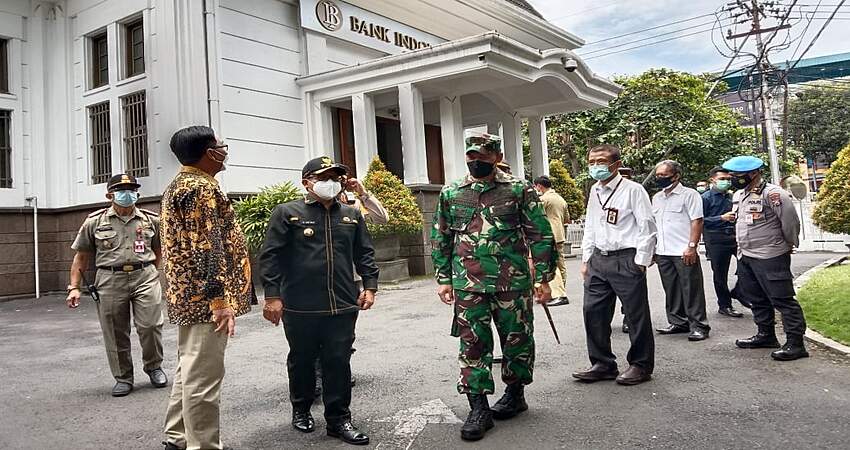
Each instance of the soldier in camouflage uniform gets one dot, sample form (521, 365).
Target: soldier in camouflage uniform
(484, 227)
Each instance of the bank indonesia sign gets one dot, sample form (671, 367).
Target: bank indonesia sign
(353, 24)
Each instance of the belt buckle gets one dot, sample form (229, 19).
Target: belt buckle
(603, 252)
(128, 268)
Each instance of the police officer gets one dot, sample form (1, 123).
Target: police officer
(767, 229)
(484, 226)
(124, 241)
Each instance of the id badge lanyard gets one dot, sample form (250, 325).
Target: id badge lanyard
(611, 214)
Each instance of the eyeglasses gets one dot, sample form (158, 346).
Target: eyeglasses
(325, 177)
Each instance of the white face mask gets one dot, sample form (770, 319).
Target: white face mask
(327, 190)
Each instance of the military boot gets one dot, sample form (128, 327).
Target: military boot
(765, 338)
(793, 349)
(512, 403)
(480, 418)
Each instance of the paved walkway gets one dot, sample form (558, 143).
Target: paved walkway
(55, 385)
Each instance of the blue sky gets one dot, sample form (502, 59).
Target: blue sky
(601, 19)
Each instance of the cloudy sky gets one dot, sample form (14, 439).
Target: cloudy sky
(595, 20)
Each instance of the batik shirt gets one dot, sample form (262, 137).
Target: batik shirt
(205, 257)
(483, 232)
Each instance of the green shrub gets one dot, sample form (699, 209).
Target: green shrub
(832, 210)
(253, 213)
(564, 184)
(405, 217)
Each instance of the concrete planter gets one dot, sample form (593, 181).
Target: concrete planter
(386, 247)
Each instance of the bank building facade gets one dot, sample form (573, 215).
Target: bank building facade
(90, 88)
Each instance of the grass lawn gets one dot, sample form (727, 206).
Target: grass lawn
(826, 300)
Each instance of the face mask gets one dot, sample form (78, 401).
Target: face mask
(723, 185)
(742, 181)
(125, 198)
(663, 182)
(480, 169)
(599, 172)
(700, 189)
(224, 157)
(327, 190)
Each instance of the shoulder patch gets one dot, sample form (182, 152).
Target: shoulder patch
(98, 212)
(775, 198)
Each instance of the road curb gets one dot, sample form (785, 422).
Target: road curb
(812, 335)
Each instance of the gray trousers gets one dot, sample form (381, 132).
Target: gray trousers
(684, 291)
(608, 277)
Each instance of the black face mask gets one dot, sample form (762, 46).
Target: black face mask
(742, 181)
(480, 169)
(663, 183)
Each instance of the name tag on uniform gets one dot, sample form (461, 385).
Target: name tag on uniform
(139, 246)
(748, 219)
(612, 215)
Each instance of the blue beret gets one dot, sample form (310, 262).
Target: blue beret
(743, 164)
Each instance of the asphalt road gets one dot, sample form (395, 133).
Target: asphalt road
(55, 384)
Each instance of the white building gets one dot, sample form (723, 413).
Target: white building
(89, 88)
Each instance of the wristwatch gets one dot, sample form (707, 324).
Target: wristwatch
(692, 245)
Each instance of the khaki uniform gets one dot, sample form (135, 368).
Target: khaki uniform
(127, 278)
(558, 214)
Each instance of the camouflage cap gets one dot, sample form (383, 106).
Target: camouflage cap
(483, 143)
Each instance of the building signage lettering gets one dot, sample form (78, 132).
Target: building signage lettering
(363, 27)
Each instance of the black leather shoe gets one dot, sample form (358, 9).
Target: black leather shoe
(634, 375)
(560, 301)
(698, 335)
(303, 421)
(625, 327)
(790, 351)
(170, 446)
(348, 433)
(730, 312)
(597, 373)
(121, 389)
(511, 404)
(480, 418)
(762, 339)
(672, 329)
(158, 378)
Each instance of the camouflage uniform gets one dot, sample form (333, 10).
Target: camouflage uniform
(481, 238)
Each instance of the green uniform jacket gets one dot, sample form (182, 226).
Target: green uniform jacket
(483, 232)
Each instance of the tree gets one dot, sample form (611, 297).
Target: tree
(564, 184)
(818, 121)
(405, 217)
(660, 114)
(832, 210)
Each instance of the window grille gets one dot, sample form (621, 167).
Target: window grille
(5, 149)
(101, 147)
(135, 134)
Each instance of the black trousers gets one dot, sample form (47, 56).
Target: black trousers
(609, 277)
(329, 339)
(684, 293)
(768, 284)
(720, 249)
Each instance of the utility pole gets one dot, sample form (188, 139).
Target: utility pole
(764, 66)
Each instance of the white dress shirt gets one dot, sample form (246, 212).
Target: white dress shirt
(674, 210)
(635, 227)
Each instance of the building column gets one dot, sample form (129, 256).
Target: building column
(412, 134)
(512, 143)
(451, 130)
(539, 149)
(365, 131)
(319, 119)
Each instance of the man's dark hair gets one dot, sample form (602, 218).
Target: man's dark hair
(716, 170)
(612, 150)
(189, 144)
(544, 181)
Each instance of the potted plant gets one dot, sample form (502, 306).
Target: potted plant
(404, 214)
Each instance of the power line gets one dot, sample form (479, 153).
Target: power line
(648, 44)
(648, 38)
(648, 29)
(812, 43)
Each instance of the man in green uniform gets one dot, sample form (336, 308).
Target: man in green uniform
(124, 241)
(484, 227)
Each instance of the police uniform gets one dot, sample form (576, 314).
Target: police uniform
(767, 229)
(127, 279)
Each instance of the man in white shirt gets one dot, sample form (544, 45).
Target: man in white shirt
(618, 246)
(679, 216)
